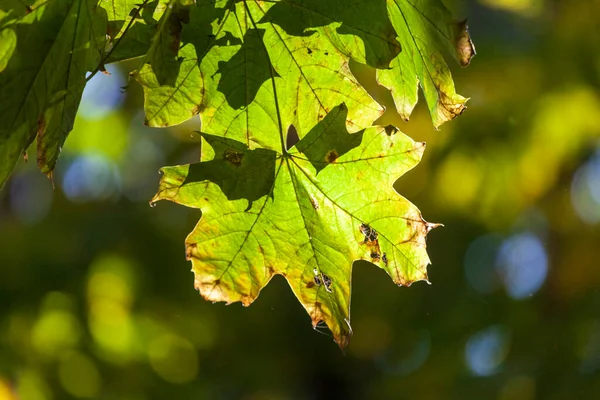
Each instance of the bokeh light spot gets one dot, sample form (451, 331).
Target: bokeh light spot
(526, 8)
(31, 386)
(57, 329)
(79, 376)
(585, 190)
(522, 264)
(110, 138)
(91, 177)
(110, 295)
(102, 94)
(486, 350)
(459, 179)
(173, 358)
(6, 392)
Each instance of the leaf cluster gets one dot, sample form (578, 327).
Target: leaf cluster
(257, 73)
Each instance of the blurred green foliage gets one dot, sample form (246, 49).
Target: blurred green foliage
(98, 300)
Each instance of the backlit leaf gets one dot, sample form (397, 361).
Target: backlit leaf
(307, 215)
(223, 67)
(425, 29)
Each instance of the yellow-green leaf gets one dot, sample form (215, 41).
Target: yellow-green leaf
(306, 215)
(425, 29)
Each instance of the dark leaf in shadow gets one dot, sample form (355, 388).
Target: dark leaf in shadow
(200, 32)
(239, 172)
(246, 71)
(164, 53)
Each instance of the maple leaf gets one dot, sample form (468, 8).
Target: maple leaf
(425, 29)
(43, 76)
(306, 214)
(217, 59)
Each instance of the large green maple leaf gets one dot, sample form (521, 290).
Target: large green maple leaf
(306, 214)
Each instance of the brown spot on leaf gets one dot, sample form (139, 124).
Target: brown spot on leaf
(41, 145)
(310, 284)
(314, 203)
(246, 300)
(234, 157)
(318, 280)
(197, 109)
(331, 156)
(371, 241)
(370, 233)
(327, 282)
(189, 250)
(375, 257)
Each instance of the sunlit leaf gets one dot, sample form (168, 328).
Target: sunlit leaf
(425, 29)
(130, 27)
(359, 29)
(307, 215)
(223, 71)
